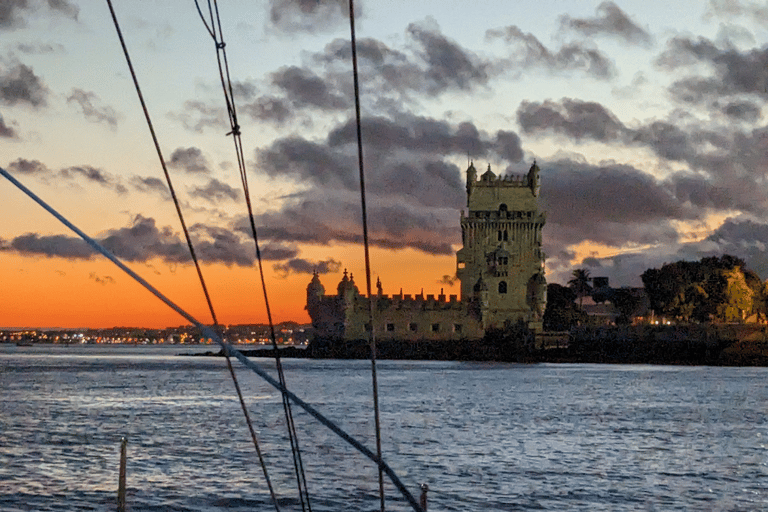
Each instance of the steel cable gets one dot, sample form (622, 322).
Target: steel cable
(215, 31)
(190, 245)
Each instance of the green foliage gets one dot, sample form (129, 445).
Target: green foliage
(713, 289)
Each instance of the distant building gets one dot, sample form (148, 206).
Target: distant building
(500, 266)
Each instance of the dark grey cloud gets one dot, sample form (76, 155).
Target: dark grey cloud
(51, 245)
(39, 48)
(269, 108)
(304, 88)
(93, 175)
(447, 65)
(220, 245)
(313, 16)
(734, 72)
(610, 21)
(610, 203)
(427, 136)
(333, 218)
(7, 131)
(526, 51)
(575, 118)
(740, 237)
(20, 85)
(303, 266)
(13, 12)
(215, 191)
(89, 106)
(196, 116)
(729, 158)
(743, 111)
(64, 7)
(143, 241)
(151, 184)
(413, 190)
(190, 160)
(30, 167)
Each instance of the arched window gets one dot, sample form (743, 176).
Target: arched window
(503, 287)
(502, 207)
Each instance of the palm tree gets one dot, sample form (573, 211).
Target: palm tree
(580, 284)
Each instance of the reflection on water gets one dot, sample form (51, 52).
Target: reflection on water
(483, 436)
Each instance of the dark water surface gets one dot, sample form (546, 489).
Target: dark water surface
(483, 436)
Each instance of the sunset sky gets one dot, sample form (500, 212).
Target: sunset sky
(647, 119)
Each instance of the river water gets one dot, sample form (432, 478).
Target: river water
(482, 436)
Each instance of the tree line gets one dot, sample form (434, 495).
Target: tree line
(713, 289)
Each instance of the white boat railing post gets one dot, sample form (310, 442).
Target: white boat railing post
(121, 479)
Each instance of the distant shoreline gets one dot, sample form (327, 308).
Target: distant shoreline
(698, 345)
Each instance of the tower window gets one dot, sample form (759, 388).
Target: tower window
(435, 327)
(505, 235)
(390, 327)
(413, 327)
(503, 287)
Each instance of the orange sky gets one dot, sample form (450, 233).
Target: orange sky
(96, 293)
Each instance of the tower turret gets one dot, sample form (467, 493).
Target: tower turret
(471, 179)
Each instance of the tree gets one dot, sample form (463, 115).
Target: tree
(712, 289)
(579, 283)
(561, 313)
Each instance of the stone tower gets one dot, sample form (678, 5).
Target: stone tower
(501, 263)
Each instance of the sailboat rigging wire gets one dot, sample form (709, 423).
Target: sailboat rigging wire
(366, 246)
(226, 347)
(189, 244)
(216, 32)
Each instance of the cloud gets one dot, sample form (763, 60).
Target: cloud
(196, 116)
(447, 65)
(88, 103)
(571, 117)
(741, 237)
(143, 240)
(611, 21)
(94, 175)
(269, 109)
(20, 85)
(52, 246)
(13, 12)
(219, 245)
(190, 160)
(526, 51)
(39, 48)
(151, 184)
(734, 72)
(101, 280)
(29, 167)
(7, 131)
(727, 9)
(304, 88)
(303, 266)
(334, 218)
(216, 191)
(743, 111)
(310, 16)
